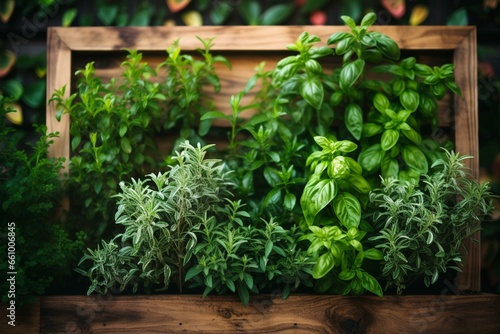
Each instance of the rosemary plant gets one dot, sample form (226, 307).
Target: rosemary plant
(421, 226)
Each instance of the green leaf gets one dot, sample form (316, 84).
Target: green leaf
(370, 158)
(353, 8)
(97, 187)
(68, 17)
(323, 266)
(212, 115)
(374, 254)
(250, 12)
(344, 45)
(277, 14)
(268, 248)
(12, 88)
(243, 293)
(312, 91)
(123, 129)
(358, 183)
(34, 94)
(347, 274)
(409, 99)
(125, 145)
(354, 120)
(314, 67)
(337, 37)
(387, 46)
(412, 135)
(368, 19)
(371, 129)
(371, 284)
(248, 279)
(290, 200)
(192, 272)
(107, 13)
(350, 73)
(347, 209)
(415, 159)
(458, 18)
(381, 102)
(317, 195)
(452, 85)
(336, 98)
(220, 13)
(272, 176)
(389, 139)
(389, 167)
(272, 197)
(349, 22)
(346, 146)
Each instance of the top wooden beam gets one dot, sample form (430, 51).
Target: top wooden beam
(246, 38)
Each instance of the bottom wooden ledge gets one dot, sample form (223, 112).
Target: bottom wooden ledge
(267, 314)
(26, 319)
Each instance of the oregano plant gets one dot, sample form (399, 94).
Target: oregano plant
(114, 124)
(421, 226)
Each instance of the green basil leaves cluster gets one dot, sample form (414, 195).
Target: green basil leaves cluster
(332, 213)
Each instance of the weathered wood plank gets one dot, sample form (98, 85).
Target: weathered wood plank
(245, 38)
(265, 314)
(467, 142)
(27, 319)
(58, 75)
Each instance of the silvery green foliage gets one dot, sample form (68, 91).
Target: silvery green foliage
(160, 214)
(421, 226)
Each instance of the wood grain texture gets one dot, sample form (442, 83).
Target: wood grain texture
(58, 75)
(265, 314)
(27, 319)
(245, 38)
(467, 142)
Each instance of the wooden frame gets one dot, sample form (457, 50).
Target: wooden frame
(268, 314)
(248, 46)
(257, 43)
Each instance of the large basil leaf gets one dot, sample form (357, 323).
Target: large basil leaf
(389, 139)
(371, 157)
(347, 209)
(387, 46)
(389, 167)
(359, 183)
(415, 159)
(409, 99)
(312, 91)
(350, 73)
(317, 194)
(413, 135)
(381, 102)
(354, 120)
(323, 265)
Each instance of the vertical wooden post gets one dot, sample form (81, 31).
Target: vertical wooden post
(467, 142)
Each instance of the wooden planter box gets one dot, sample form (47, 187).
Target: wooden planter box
(70, 49)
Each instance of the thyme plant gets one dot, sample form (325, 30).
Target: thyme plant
(161, 215)
(242, 256)
(421, 226)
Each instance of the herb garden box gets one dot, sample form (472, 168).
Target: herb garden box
(69, 49)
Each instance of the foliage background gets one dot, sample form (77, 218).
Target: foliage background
(23, 33)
